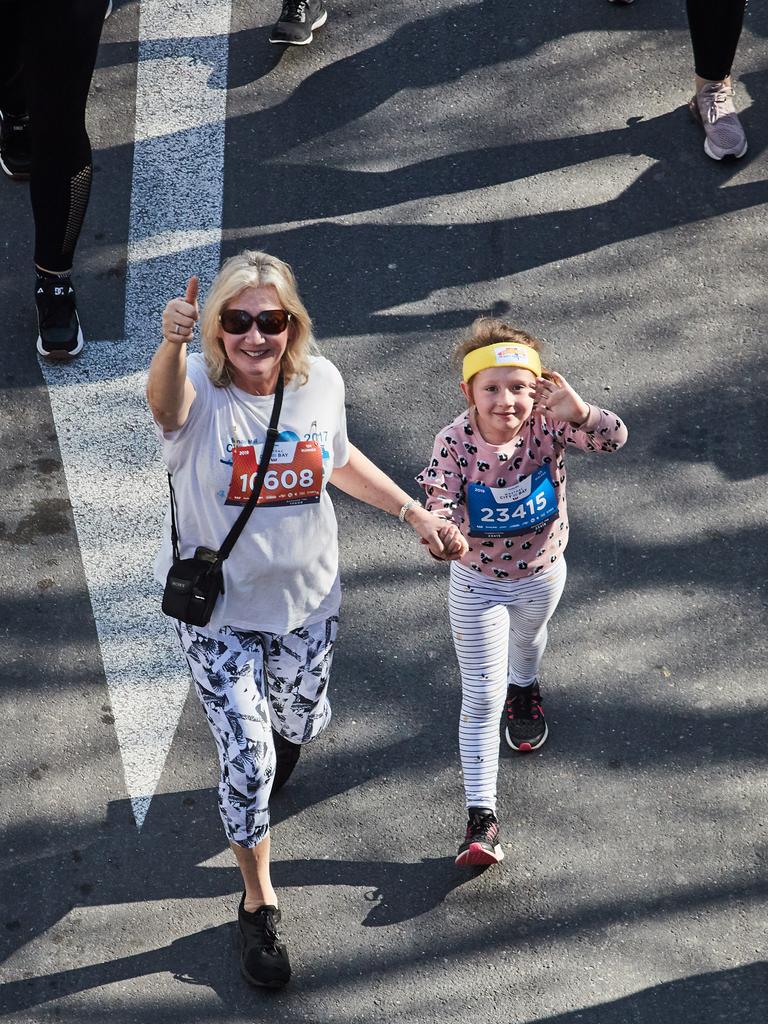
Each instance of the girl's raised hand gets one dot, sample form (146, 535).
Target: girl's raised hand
(556, 396)
(181, 315)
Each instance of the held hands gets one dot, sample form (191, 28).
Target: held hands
(181, 315)
(452, 539)
(558, 397)
(443, 539)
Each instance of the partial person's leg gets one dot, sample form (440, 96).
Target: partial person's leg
(14, 116)
(298, 667)
(530, 611)
(12, 96)
(60, 55)
(61, 43)
(715, 27)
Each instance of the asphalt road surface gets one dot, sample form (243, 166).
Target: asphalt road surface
(418, 164)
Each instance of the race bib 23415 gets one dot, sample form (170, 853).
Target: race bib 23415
(506, 511)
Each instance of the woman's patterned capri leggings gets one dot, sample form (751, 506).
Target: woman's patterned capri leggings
(248, 684)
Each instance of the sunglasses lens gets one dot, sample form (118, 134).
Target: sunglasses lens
(235, 321)
(272, 321)
(269, 321)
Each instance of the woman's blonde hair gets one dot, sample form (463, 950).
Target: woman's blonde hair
(251, 269)
(487, 330)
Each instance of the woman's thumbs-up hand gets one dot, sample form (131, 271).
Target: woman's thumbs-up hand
(181, 315)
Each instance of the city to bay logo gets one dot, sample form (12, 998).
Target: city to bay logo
(506, 354)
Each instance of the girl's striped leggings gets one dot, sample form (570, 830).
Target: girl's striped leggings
(499, 631)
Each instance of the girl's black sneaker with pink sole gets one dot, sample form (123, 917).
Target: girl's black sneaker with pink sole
(526, 727)
(481, 844)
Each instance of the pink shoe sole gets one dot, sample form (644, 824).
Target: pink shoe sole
(477, 856)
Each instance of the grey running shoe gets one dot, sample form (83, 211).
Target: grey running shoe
(713, 108)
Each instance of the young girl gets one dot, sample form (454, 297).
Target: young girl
(498, 473)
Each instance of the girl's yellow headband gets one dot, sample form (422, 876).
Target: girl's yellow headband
(501, 354)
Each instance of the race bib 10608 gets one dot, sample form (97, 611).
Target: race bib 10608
(294, 477)
(506, 511)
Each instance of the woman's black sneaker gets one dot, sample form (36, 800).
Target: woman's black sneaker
(481, 844)
(60, 335)
(286, 755)
(263, 957)
(526, 727)
(298, 20)
(15, 147)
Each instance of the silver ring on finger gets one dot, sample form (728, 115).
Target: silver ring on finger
(178, 329)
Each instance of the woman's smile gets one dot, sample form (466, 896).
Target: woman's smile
(256, 353)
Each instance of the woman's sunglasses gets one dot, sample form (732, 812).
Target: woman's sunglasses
(268, 321)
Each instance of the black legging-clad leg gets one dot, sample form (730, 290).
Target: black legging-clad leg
(47, 55)
(715, 27)
(48, 52)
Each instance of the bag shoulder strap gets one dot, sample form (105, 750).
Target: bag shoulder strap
(266, 455)
(239, 525)
(174, 530)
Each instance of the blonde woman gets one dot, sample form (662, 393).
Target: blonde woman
(261, 664)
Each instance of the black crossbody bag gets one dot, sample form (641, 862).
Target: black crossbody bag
(193, 585)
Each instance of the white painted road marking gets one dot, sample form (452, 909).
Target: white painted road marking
(111, 457)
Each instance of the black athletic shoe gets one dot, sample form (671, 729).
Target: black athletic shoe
(60, 335)
(287, 754)
(526, 727)
(15, 152)
(298, 20)
(481, 844)
(263, 958)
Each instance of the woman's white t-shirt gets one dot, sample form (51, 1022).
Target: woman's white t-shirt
(283, 571)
